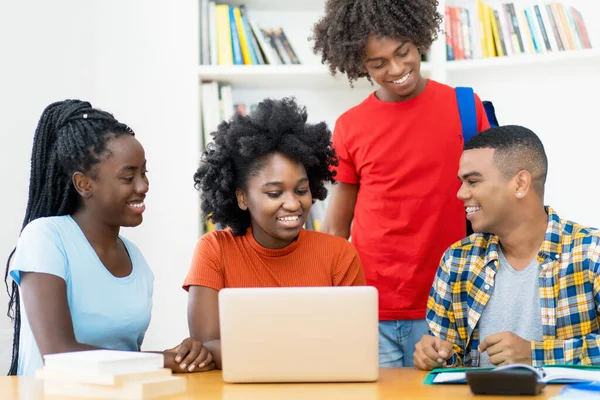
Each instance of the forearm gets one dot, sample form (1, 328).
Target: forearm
(341, 231)
(214, 346)
(583, 350)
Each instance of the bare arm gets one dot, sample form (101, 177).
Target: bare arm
(341, 210)
(45, 299)
(203, 319)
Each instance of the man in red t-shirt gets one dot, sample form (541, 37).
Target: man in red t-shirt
(398, 156)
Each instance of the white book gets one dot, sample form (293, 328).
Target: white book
(227, 100)
(101, 378)
(134, 391)
(104, 361)
(205, 33)
(211, 116)
(271, 57)
(548, 26)
(212, 33)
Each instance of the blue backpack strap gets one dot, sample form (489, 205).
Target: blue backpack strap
(468, 114)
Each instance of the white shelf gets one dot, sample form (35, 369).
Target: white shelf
(523, 59)
(288, 76)
(278, 5)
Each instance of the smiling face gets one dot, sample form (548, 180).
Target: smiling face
(489, 197)
(115, 190)
(396, 66)
(278, 199)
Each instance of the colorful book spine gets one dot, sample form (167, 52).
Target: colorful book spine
(223, 29)
(235, 39)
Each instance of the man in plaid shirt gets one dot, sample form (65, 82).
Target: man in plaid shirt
(525, 288)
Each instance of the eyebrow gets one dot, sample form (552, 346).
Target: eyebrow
(379, 58)
(131, 167)
(278, 183)
(470, 175)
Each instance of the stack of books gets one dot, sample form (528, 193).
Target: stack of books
(108, 374)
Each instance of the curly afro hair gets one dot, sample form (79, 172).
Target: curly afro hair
(341, 35)
(240, 147)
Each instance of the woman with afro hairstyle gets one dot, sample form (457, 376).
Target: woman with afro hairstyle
(76, 283)
(398, 156)
(259, 178)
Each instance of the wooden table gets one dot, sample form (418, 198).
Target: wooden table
(393, 383)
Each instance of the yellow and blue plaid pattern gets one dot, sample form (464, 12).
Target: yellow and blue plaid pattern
(569, 294)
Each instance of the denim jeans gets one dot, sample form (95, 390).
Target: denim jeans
(397, 340)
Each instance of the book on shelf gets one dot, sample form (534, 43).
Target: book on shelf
(485, 30)
(108, 374)
(229, 37)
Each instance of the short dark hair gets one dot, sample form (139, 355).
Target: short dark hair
(341, 35)
(240, 147)
(516, 149)
(70, 136)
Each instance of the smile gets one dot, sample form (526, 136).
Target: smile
(289, 219)
(137, 207)
(472, 210)
(403, 79)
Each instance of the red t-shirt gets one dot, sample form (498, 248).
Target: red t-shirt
(405, 157)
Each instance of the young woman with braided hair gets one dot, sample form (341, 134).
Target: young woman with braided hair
(75, 283)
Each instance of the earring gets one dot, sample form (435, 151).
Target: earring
(519, 194)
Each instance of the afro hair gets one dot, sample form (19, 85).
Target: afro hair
(240, 147)
(341, 35)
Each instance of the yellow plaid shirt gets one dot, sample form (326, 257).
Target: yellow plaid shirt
(569, 283)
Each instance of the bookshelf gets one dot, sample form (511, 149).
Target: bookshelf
(587, 55)
(326, 97)
(278, 76)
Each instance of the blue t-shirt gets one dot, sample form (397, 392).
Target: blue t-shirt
(107, 311)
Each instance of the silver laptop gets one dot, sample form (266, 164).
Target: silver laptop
(307, 334)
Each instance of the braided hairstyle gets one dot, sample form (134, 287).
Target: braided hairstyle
(240, 147)
(341, 35)
(71, 136)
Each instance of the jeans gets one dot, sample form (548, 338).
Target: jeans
(397, 340)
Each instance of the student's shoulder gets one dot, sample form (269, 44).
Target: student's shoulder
(218, 239)
(472, 247)
(580, 235)
(331, 242)
(441, 92)
(358, 112)
(46, 228)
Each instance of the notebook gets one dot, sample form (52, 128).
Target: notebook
(302, 334)
(547, 374)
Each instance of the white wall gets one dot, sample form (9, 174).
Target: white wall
(136, 59)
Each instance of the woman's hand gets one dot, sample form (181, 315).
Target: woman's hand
(189, 356)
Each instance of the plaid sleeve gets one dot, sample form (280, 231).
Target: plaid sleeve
(440, 315)
(582, 350)
(579, 350)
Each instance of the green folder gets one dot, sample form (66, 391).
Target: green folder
(576, 379)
